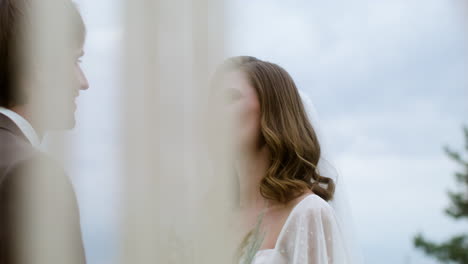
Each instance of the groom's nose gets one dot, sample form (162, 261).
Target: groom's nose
(84, 84)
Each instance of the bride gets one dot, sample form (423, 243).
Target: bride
(283, 197)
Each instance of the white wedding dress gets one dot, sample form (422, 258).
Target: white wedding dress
(310, 235)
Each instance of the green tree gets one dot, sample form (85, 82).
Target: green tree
(454, 250)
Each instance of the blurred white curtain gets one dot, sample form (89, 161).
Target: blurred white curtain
(176, 207)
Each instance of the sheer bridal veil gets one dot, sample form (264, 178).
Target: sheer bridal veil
(339, 203)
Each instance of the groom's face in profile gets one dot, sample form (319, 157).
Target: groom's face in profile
(65, 98)
(81, 80)
(40, 74)
(55, 89)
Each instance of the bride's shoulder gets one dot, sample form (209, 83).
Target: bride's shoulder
(309, 216)
(312, 206)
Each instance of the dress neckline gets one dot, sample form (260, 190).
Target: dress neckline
(283, 228)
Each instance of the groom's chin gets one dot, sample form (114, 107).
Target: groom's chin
(70, 123)
(63, 123)
(67, 120)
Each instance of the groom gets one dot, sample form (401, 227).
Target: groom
(46, 195)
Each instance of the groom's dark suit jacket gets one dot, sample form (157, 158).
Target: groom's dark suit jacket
(51, 213)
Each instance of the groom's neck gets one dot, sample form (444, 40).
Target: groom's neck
(25, 112)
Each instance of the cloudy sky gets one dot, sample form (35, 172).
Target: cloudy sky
(387, 78)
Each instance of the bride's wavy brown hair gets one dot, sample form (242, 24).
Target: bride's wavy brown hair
(286, 131)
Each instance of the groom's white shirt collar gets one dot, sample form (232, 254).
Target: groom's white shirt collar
(23, 124)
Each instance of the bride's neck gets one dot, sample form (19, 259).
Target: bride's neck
(252, 166)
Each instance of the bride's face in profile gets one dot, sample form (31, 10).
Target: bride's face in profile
(243, 107)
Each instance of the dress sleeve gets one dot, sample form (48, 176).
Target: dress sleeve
(312, 235)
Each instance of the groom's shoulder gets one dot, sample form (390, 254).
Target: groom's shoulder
(19, 158)
(28, 175)
(28, 172)
(14, 150)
